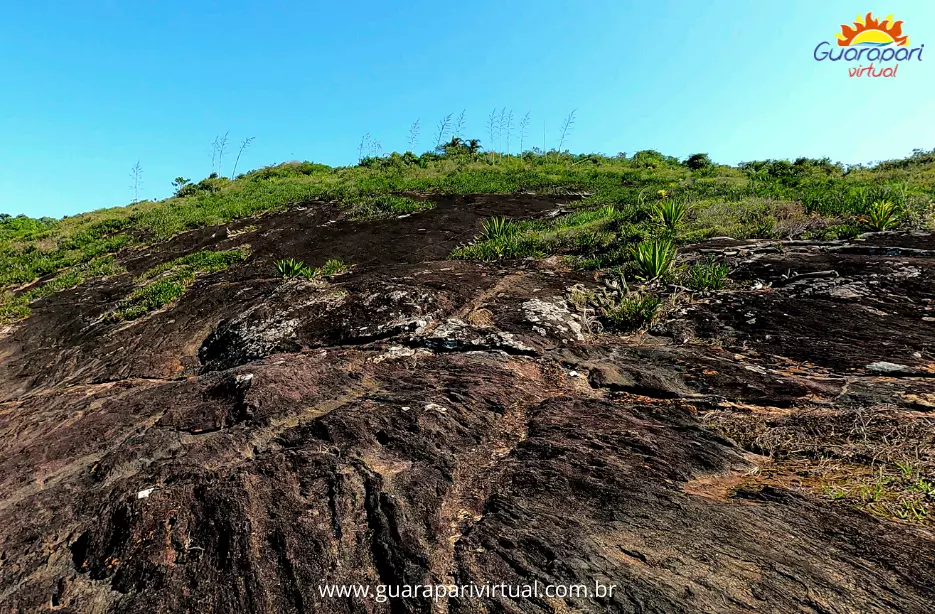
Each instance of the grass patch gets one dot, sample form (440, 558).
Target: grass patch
(632, 311)
(875, 458)
(15, 307)
(586, 234)
(167, 282)
(894, 492)
(751, 200)
(498, 228)
(386, 205)
(707, 275)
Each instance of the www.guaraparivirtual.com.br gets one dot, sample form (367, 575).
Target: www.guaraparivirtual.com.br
(384, 592)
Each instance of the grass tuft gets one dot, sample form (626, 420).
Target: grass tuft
(292, 268)
(707, 275)
(498, 229)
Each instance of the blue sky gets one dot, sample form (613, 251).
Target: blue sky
(87, 89)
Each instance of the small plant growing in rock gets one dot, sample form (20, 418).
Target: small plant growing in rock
(882, 215)
(290, 268)
(634, 310)
(670, 213)
(614, 304)
(653, 259)
(498, 228)
(332, 267)
(707, 275)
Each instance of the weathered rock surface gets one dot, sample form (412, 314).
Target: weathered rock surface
(425, 421)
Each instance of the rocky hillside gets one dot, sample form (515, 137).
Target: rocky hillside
(766, 446)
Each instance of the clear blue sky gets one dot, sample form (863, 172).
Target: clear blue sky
(89, 88)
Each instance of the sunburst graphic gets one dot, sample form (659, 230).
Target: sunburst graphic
(870, 32)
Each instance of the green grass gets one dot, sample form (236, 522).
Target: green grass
(707, 275)
(166, 283)
(768, 198)
(15, 307)
(332, 267)
(498, 228)
(384, 205)
(291, 268)
(633, 311)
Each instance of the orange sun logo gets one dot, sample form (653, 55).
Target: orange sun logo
(870, 32)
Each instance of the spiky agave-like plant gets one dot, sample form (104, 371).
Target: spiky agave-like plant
(882, 215)
(290, 267)
(653, 259)
(498, 228)
(670, 212)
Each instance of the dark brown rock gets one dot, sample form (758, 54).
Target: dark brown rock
(426, 421)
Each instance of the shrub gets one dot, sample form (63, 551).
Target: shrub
(290, 169)
(179, 184)
(614, 305)
(670, 212)
(698, 161)
(653, 259)
(707, 275)
(882, 215)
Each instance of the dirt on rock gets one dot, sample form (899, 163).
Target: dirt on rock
(425, 421)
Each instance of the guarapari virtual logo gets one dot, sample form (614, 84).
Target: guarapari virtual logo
(875, 45)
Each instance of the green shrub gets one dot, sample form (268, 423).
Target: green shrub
(653, 259)
(698, 161)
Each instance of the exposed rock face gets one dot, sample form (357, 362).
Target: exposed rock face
(424, 421)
